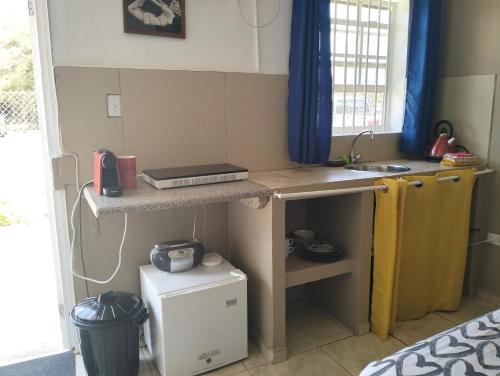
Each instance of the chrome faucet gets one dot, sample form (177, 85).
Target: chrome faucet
(357, 157)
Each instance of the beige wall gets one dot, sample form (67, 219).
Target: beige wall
(169, 118)
(470, 47)
(173, 118)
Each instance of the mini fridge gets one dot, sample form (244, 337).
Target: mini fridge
(197, 318)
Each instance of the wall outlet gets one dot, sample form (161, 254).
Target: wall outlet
(114, 105)
(494, 239)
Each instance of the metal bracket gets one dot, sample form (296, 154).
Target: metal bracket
(255, 202)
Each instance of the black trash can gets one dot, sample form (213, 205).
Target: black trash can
(108, 327)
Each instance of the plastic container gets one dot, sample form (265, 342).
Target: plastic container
(108, 328)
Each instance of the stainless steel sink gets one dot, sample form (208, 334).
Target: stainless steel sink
(377, 168)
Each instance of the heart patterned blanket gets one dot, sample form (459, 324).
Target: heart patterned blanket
(470, 349)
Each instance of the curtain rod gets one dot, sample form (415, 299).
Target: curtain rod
(383, 187)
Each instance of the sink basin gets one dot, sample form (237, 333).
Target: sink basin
(377, 168)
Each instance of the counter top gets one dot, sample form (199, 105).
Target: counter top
(147, 198)
(302, 178)
(260, 184)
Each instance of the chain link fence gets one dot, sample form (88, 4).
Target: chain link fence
(18, 111)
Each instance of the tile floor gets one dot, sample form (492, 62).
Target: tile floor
(319, 345)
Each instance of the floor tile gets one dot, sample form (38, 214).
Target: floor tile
(354, 353)
(144, 369)
(230, 370)
(310, 363)
(255, 357)
(413, 331)
(314, 325)
(297, 340)
(470, 308)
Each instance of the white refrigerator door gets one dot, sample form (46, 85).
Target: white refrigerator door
(205, 329)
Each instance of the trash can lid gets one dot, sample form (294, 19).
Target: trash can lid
(108, 309)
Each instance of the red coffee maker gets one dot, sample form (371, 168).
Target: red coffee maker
(106, 178)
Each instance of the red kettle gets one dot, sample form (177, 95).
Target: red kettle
(444, 141)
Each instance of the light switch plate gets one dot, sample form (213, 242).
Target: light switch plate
(494, 239)
(114, 105)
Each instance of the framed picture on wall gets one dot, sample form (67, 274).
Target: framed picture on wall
(155, 17)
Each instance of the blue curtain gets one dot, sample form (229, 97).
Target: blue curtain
(422, 75)
(310, 83)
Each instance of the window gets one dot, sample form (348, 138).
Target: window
(369, 44)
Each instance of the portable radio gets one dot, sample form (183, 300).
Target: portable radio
(177, 255)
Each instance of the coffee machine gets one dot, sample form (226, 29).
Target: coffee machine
(106, 178)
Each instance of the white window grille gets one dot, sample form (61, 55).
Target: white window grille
(361, 38)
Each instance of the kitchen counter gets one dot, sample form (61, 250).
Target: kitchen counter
(257, 240)
(259, 184)
(147, 198)
(305, 178)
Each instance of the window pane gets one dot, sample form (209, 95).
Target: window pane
(362, 105)
(339, 44)
(365, 114)
(340, 74)
(372, 76)
(384, 41)
(384, 14)
(342, 11)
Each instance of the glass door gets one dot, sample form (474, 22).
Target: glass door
(36, 290)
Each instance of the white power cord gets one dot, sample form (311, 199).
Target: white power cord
(73, 237)
(204, 223)
(278, 9)
(194, 224)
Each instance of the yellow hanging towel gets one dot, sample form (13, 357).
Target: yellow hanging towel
(420, 247)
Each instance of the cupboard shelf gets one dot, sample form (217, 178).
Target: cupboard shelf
(299, 271)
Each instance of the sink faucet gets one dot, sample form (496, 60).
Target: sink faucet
(357, 157)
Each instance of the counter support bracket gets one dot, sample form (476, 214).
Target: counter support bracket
(255, 202)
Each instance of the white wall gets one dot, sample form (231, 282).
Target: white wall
(90, 33)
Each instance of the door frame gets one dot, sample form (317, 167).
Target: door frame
(48, 119)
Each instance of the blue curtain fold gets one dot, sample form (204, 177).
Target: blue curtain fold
(422, 75)
(310, 83)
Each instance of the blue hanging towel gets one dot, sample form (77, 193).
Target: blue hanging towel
(422, 75)
(310, 83)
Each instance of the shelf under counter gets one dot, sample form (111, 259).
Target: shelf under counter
(147, 198)
(299, 271)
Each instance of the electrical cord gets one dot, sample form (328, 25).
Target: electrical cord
(77, 169)
(242, 15)
(81, 244)
(73, 237)
(204, 225)
(75, 157)
(204, 230)
(194, 224)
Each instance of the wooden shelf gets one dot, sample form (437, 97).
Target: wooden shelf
(146, 198)
(299, 271)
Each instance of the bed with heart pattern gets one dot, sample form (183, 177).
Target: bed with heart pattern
(469, 349)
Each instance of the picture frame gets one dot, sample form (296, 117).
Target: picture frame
(166, 18)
